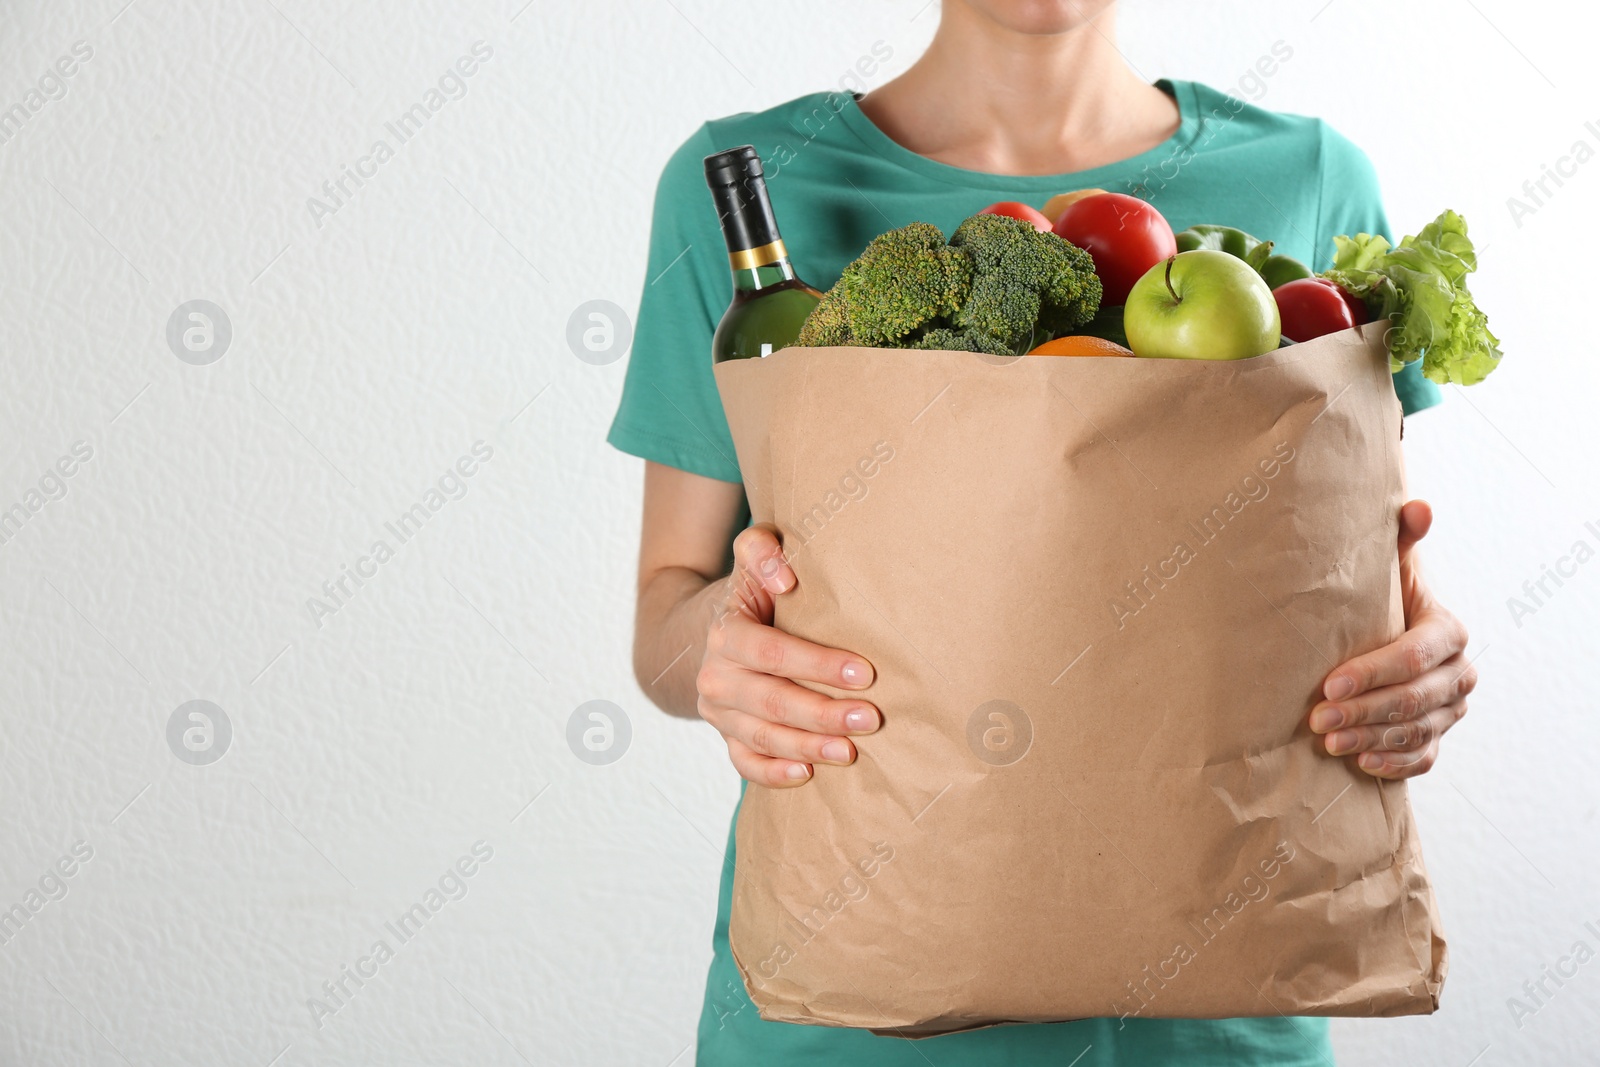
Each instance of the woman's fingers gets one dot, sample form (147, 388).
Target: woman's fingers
(766, 650)
(775, 717)
(1416, 517)
(766, 738)
(1392, 705)
(760, 574)
(775, 729)
(1397, 765)
(758, 553)
(1410, 736)
(1431, 640)
(778, 700)
(765, 770)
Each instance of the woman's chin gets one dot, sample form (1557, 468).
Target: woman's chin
(1036, 17)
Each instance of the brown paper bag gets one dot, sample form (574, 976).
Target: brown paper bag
(1101, 595)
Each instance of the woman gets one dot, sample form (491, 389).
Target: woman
(1014, 100)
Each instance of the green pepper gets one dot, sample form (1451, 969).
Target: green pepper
(1227, 239)
(1279, 269)
(1274, 269)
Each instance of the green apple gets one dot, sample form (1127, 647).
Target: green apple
(1201, 304)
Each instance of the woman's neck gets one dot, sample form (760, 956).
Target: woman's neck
(989, 98)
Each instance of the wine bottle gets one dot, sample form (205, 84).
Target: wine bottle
(770, 302)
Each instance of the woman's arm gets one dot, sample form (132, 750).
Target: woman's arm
(705, 645)
(683, 549)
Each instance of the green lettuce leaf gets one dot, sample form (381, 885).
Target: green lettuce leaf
(1420, 286)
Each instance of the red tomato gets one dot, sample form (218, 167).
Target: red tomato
(1312, 307)
(1125, 235)
(1012, 209)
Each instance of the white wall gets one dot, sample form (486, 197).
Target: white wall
(426, 314)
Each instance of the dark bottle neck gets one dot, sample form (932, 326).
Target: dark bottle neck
(745, 211)
(755, 250)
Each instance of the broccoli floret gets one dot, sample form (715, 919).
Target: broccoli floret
(826, 325)
(997, 287)
(905, 280)
(944, 339)
(1025, 283)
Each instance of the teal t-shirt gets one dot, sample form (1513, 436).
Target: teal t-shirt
(836, 182)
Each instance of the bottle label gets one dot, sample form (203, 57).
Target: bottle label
(750, 258)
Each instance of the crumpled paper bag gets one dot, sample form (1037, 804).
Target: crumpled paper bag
(1101, 595)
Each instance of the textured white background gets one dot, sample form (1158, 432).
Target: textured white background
(370, 352)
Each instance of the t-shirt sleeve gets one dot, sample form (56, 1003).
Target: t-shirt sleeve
(670, 410)
(1350, 204)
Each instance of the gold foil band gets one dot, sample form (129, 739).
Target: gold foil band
(751, 258)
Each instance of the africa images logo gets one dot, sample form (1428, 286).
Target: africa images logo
(452, 85)
(453, 484)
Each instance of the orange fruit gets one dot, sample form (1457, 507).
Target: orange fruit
(1081, 345)
(1061, 201)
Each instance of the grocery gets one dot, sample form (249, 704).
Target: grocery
(1312, 307)
(1013, 210)
(1275, 269)
(1125, 235)
(1007, 283)
(996, 287)
(1203, 304)
(1081, 345)
(1421, 287)
(770, 303)
(1279, 270)
(1061, 201)
(906, 280)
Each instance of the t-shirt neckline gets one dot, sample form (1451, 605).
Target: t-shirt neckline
(883, 145)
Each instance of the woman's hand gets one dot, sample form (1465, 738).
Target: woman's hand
(1393, 704)
(775, 729)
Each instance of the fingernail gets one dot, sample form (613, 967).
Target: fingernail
(861, 721)
(1341, 742)
(1340, 687)
(1370, 761)
(1325, 719)
(771, 571)
(856, 673)
(836, 752)
(797, 771)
